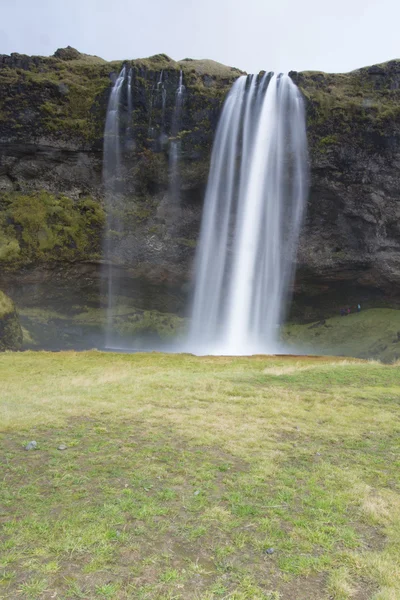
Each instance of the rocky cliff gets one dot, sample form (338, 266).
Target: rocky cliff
(350, 243)
(52, 114)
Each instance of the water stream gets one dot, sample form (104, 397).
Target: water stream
(163, 93)
(175, 146)
(251, 219)
(114, 142)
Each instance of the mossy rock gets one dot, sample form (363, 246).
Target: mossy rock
(48, 329)
(150, 324)
(10, 328)
(372, 333)
(67, 53)
(42, 227)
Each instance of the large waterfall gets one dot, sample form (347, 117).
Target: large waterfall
(252, 215)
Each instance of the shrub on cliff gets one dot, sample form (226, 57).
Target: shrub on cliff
(10, 328)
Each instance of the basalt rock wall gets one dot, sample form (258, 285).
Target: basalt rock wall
(349, 248)
(52, 114)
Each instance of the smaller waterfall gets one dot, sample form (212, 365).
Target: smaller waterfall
(179, 97)
(181, 87)
(175, 145)
(150, 129)
(158, 98)
(115, 135)
(130, 109)
(163, 93)
(112, 147)
(253, 210)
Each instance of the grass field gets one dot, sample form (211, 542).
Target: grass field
(198, 478)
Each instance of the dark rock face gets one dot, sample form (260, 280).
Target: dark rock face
(10, 328)
(350, 244)
(52, 113)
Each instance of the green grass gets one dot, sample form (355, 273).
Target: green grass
(373, 333)
(181, 472)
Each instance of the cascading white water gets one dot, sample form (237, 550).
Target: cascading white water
(112, 187)
(175, 142)
(130, 107)
(181, 87)
(252, 215)
(163, 92)
(112, 147)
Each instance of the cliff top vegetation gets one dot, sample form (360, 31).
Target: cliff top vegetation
(64, 96)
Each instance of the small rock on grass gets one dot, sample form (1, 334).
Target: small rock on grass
(62, 447)
(31, 446)
(269, 551)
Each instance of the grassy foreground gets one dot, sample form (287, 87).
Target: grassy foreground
(204, 478)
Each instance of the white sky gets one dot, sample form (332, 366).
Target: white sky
(278, 35)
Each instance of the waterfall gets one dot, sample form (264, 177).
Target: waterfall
(112, 146)
(163, 93)
(158, 97)
(181, 87)
(252, 216)
(113, 186)
(175, 145)
(130, 108)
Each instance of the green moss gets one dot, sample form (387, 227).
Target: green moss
(210, 68)
(148, 323)
(45, 328)
(155, 63)
(6, 305)
(139, 213)
(61, 93)
(154, 229)
(186, 242)
(373, 333)
(130, 321)
(43, 227)
(328, 140)
(10, 328)
(182, 134)
(351, 102)
(73, 113)
(68, 96)
(8, 75)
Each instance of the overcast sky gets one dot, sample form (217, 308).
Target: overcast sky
(279, 35)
